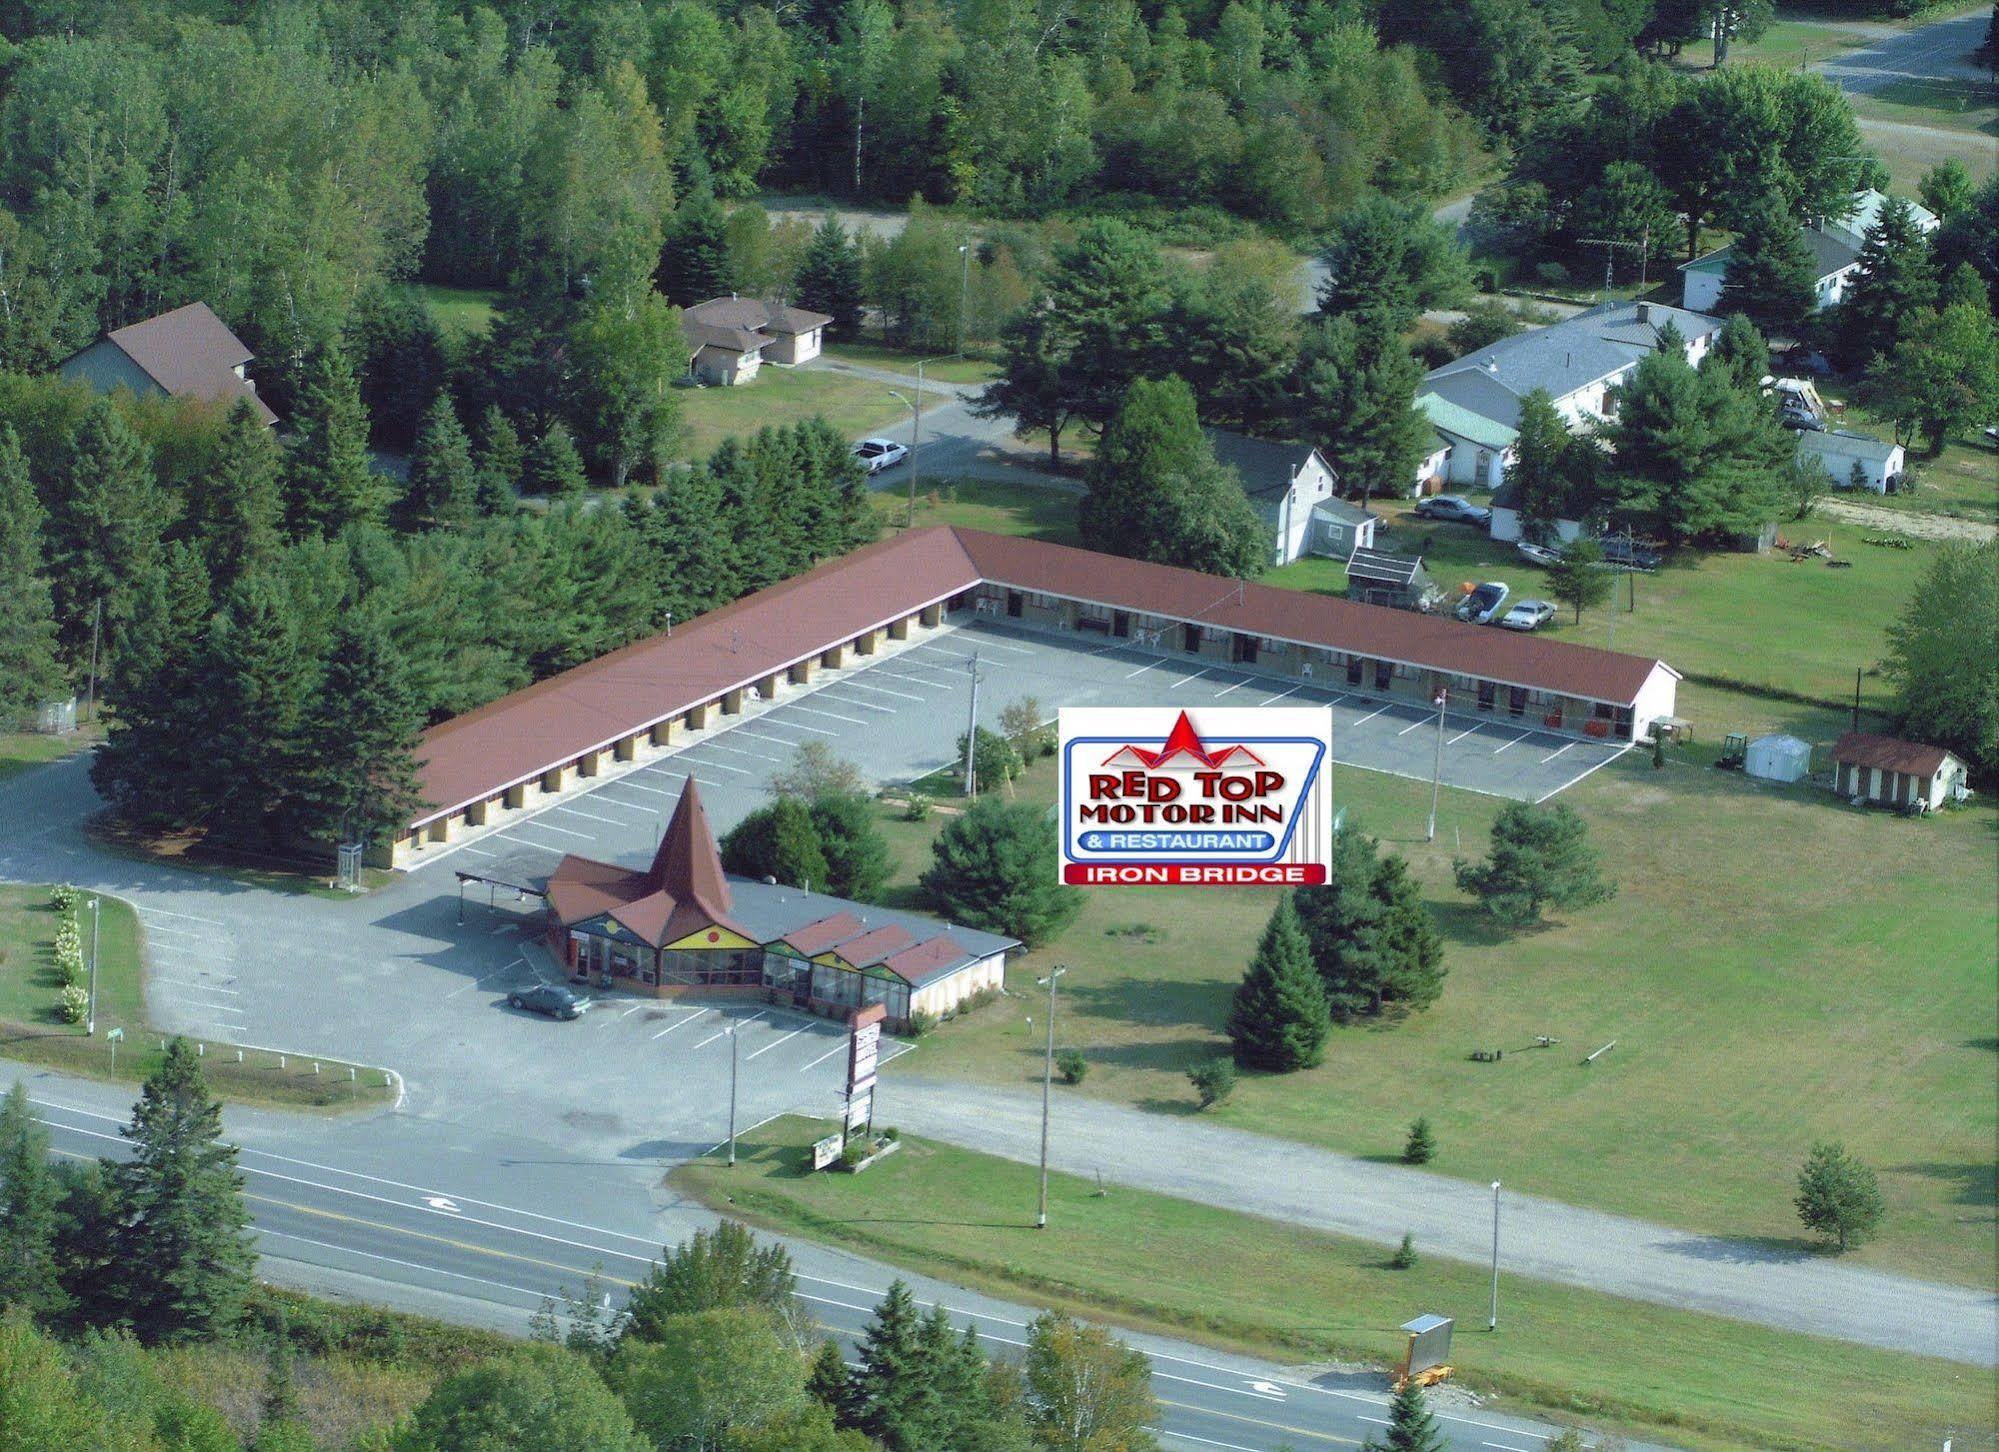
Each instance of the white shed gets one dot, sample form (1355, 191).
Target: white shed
(1778, 758)
(1845, 456)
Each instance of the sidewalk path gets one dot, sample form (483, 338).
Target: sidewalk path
(1315, 1188)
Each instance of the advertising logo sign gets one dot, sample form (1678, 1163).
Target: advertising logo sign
(864, 1047)
(1218, 796)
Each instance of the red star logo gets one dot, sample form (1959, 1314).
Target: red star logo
(1184, 740)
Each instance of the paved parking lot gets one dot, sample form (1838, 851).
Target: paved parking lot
(901, 717)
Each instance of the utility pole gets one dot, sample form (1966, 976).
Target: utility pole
(732, 1099)
(972, 733)
(1047, 1083)
(909, 520)
(964, 290)
(1437, 766)
(90, 1021)
(1493, 1324)
(96, 619)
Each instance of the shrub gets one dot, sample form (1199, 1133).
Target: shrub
(1213, 1081)
(920, 1023)
(856, 1151)
(63, 898)
(1420, 1146)
(1405, 1253)
(1072, 1066)
(918, 809)
(73, 1003)
(890, 1136)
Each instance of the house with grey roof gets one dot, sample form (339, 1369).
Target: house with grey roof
(730, 338)
(187, 353)
(1474, 402)
(1853, 459)
(1293, 489)
(1834, 243)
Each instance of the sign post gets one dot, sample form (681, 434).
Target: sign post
(863, 1058)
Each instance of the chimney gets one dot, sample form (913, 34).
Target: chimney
(1644, 312)
(1492, 365)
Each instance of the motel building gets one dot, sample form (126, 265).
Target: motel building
(654, 696)
(682, 928)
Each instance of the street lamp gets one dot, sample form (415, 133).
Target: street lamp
(1493, 1324)
(732, 1099)
(1047, 1083)
(1437, 767)
(915, 438)
(90, 1019)
(964, 289)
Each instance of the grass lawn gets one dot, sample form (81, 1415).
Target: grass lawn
(32, 1032)
(20, 750)
(1950, 105)
(1019, 509)
(192, 852)
(898, 360)
(1757, 1005)
(788, 395)
(1791, 43)
(460, 312)
(1909, 149)
(1962, 481)
(1154, 1261)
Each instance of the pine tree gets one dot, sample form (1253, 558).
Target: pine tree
(329, 482)
(1279, 1020)
(894, 1393)
(104, 533)
(826, 1382)
(1411, 1428)
(235, 515)
(1741, 349)
(554, 468)
(1373, 942)
(1838, 1196)
(1578, 579)
(184, 1251)
(829, 278)
(1543, 471)
(1405, 1253)
(502, 462)
(443, 485)
(152, 765)
(358, 771)
(29, 1269)
(1421, 1144)
(694, 264)
(254, 681)
(1356, 390)
(712, 1270)
(29, 673)
(1541, 857)
(1771, 276)
(994, 868)
(857, 858)
(1895, 277)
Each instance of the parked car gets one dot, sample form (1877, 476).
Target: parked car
(1619, 551)
(1540, 554)
(879, 454)
(1454, 507)
(1483, 603)
(549, 999)
(1799, 420)
(1527, 615)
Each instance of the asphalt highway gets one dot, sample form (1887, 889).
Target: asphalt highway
(347, 1217)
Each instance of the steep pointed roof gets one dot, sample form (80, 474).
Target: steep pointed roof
(683, 892)
(687, 867)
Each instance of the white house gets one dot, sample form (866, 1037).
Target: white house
(1893, 773)
(730, 338)
(1506, 524)
(1292, 487)
(1834, 245)
(1839, 452)
(1474, 402)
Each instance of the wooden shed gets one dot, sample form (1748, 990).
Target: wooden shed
(1890, 772)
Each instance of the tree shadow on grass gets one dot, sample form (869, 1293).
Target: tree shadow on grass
(1186, 1108)
(1471, 926)
(1975, 1184)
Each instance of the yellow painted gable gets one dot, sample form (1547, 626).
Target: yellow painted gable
(699, 941)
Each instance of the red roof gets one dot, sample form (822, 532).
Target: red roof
(191, 353)
(682, 892)
(913, 965)
(815, 938)
(514, 739)
(1889, 753)
(871, 948)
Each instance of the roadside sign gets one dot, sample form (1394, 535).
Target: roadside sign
(864, 1048)
(859, 1108)
(825, 1151)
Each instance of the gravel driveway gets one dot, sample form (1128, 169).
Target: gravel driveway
(1902, 521)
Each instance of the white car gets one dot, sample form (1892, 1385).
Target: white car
(1483, 603)
(1527, 615)
(879, 454)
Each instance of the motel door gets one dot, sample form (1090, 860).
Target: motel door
(1121, 624)
(1190, 639)
(1486, 691)
(1013, 603)
(1353, 670)
(1245, 650)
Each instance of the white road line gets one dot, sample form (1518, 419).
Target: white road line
(1144, 668)
(986, 642)
(838, 1048)
(680, 1021)
(1580, 775)
(188, 990)
(1370, 715)
(831, 715)
(1202, 1441)
(468, 987)
(775, 1042)
(1184, 680)
(789, 726)
(1337, 698)
(740, 1023)
(1462, 735)
(175, 932)
(1419, 721)
(1503, 1446)
(1236, 687)
(632, 1010)
(502, 928)
(169, 913)
(723, 765)
(589, 816)
(1514, 742)
(878, 690)
(641, 787)
(1555, 753)
(191, 983)
(909, 680)
(478, 851)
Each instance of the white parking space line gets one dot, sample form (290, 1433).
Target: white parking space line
(1149, 665)
(775, 1042)
(1281, 695)
(1370, 715)
(172, 931)
(632, 1010)
(1514, 742)
(680, 1022)
(182, 986)
(1236, 687)
(599, 799)
(640, 787)
(689, 776)
(831, 715)
(479, 851)
(986, 642)
(168, 913)
(836, 1049)
(828, 695)
(905, 678)
(1184, 680)
(589, 816)
(878, 690)
(1555, 753)
(1419, 721)
(1462, 735)
(789, 726)
(547, 827)
(735, 751)
(722, 1033)
(723, 765)
(487, 978)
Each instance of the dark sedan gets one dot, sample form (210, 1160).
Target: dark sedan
(549, 1000)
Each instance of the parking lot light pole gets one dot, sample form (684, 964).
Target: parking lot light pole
(915, 437)
(90, 1019)
(1437, 768)
(1493, 1323)
(1047, 1084)
(732, 1096)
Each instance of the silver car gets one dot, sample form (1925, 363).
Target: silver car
(1526, 615)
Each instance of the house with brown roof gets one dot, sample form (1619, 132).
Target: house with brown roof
(730, 338)
(187, 353)
(680, 927)
(1890, 772)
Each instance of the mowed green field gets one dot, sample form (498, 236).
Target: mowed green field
(1776, 967)
(1154, 1261)
(850, 404)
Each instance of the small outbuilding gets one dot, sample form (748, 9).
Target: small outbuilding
(1853, 460)
(1889, 772)
(1778, 758)
(1376, 577)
